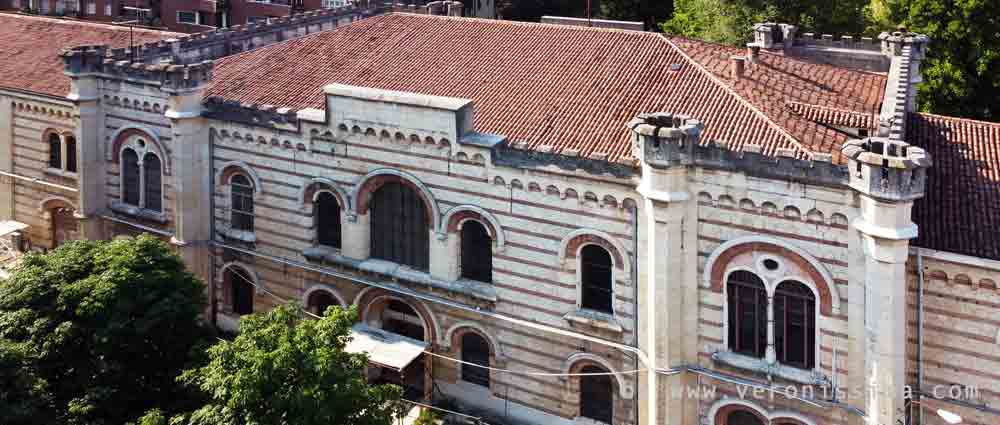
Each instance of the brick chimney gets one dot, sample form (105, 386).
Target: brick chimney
(737, 66)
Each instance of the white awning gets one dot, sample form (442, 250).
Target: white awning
(10, 226)
(384, 348)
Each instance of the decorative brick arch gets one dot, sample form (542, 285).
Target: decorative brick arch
(454, 337)
(572, 243)
(576, 362)
(373, 299)
(123, 134)
(307, 194)
(374, 180)
(52, 202)
(227, 170)
(459, 214)
(722, 408)
(319, 287)
(718, 263)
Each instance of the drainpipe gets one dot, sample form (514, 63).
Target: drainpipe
(920, 336)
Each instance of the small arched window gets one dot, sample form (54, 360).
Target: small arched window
(475, 350)
(55, 151)
(319, 301)
(241, 291)
(130, 180)
(747, 305)
(241, 208)
(152, 184)
(399, 231)
(596, 395)
(596, 278)
(795, 324)
(70, 154)
(327, 220)
(477, 252)
(742, 417)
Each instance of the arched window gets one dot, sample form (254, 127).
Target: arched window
(327, 220)
(475, 350)
(400, 319)
(131, 182)
(241, 208)
(399, 226)
(55, 151)
(477, 252)
(70, 154)
(319, 301)
(747, 314)
(241, 291)
(151, 185)
(742, 417)
(595, 275)
(795, 324)
(596, 395)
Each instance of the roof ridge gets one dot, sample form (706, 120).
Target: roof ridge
(739, 98)
(529, 24)
(828, 108)
(69, 21)
(968, 120)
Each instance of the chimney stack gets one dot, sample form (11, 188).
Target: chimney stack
(753, 52)
(737, 64)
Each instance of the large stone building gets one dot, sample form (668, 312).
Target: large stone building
(628, 227)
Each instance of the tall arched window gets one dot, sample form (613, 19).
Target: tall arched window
(327, 220)
(70, 154)
(241, 207)
(596, 278)
(319, 301)
(400, 319)
(742, 417)
(795, 324)
(477, 252)
(130, 180)
(596, 395)
(152, 185)
(475, 350)
(399, 230)
(55, 151)
(747, 313)
(241, 291)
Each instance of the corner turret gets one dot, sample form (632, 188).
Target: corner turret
(885, 169)
(663, 140)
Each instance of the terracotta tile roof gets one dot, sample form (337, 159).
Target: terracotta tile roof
(834, 116)
(961, 210)
(560, 86)
(30, 46)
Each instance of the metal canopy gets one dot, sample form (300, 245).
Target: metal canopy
(384, 348)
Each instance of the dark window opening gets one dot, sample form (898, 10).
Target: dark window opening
(596, 395)
(131, 184)
(743, 417)
(794, 324)
(400, 319)
(70, 154)
(154, 190)
(475, 350)
(747, 314)
(596, 278)
(187, 17)
(399, 226)
(242, 292)
(319, 301)
(327, 220)
(55, 151)
(477, 252)
(242, 203)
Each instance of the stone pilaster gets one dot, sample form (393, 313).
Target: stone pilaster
(664, 145)
(82, 65)
(6, 158)
(356, 235)
(888, 176)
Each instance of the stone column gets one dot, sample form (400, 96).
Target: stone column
(356, 236)
(82, 65)
(888, 176)
(6, 158)
(663, 143)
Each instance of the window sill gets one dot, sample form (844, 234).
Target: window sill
(239, 235)
(136, 212)
(794, 374)
(595, 319)
(60, 172)
(478, 290)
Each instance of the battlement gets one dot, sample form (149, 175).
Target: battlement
(887, 169)
(84, 60)
(268, 116)
(839, 50)
(663, 139)
(892, 44)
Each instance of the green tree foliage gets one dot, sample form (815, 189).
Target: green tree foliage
(960, 72)
(97, 333)
(650, 12)
(282, 370)
(533, 10)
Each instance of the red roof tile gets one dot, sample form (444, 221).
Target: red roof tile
(834, 116)
(961, 210)
(30, 46)
(560, 86)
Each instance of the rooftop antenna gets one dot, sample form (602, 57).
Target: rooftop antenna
(139, 18)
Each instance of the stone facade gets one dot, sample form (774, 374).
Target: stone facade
(675, 228)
